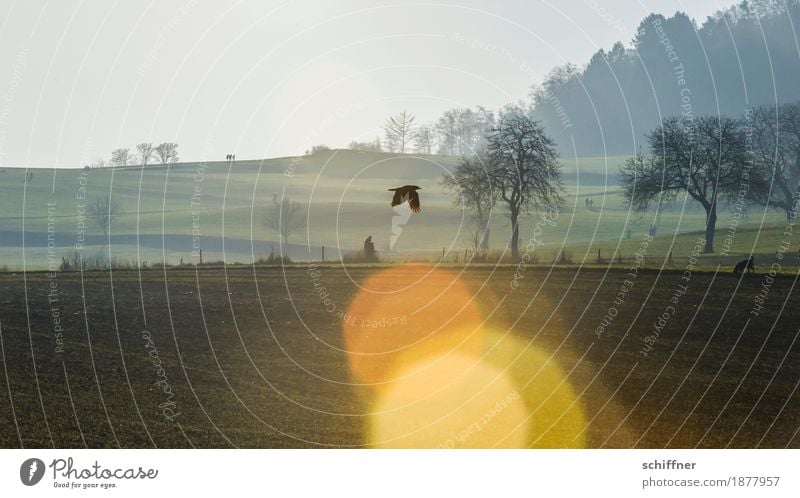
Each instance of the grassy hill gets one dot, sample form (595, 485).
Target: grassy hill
(345, 193)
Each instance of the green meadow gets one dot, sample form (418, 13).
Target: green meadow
(344, 195)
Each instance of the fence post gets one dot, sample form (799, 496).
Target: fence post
(323, 254)
(201, 256)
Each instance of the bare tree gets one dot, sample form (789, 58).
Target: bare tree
(120, 157)
(399, 131)
(775, 135)
(423, 140)
(471, 182)
(146, 152)
(523, 167)
(285, 217)
(103, 210)
(703, 157)
(485, 122)
(167, 152)
(463, 132)
(446, 133)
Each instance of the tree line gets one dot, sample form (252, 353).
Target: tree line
(740, 57)
(457, 132)
(145, 153)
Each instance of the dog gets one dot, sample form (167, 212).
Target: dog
(744, 266)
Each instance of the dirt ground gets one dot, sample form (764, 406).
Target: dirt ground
(261, 357)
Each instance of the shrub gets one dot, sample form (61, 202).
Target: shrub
(359, 257)
(317, 148)
(75, 260)
(562, 258)
(274, 259)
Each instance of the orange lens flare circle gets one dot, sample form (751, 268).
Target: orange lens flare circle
(405, 314)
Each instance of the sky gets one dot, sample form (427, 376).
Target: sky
(271, 78)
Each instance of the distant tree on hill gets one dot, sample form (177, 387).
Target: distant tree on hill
(167, 152)
(103, 210)
(146, 152)
(462, 132)
(285, 217)
(485, 122)
(423, 141)
(472, 187)
(703, 157)
(120, 157)
(399, 131)
(374, 146)
(446, 131)
(317, 148)
(523, 167)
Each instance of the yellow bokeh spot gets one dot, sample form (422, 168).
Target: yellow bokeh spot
(555, 416)
(441, 379)
(429, 408)
(510, 396)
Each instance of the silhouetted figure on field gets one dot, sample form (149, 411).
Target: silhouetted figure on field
(369, 249)
(745, 266)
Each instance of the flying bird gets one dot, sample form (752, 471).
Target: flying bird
(406, 193)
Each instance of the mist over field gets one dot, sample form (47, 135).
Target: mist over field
(169, 212)
(367, 224)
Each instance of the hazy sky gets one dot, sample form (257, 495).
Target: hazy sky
(269, 78)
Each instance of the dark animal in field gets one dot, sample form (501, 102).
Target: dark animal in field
(406, 193)
(744, 266)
